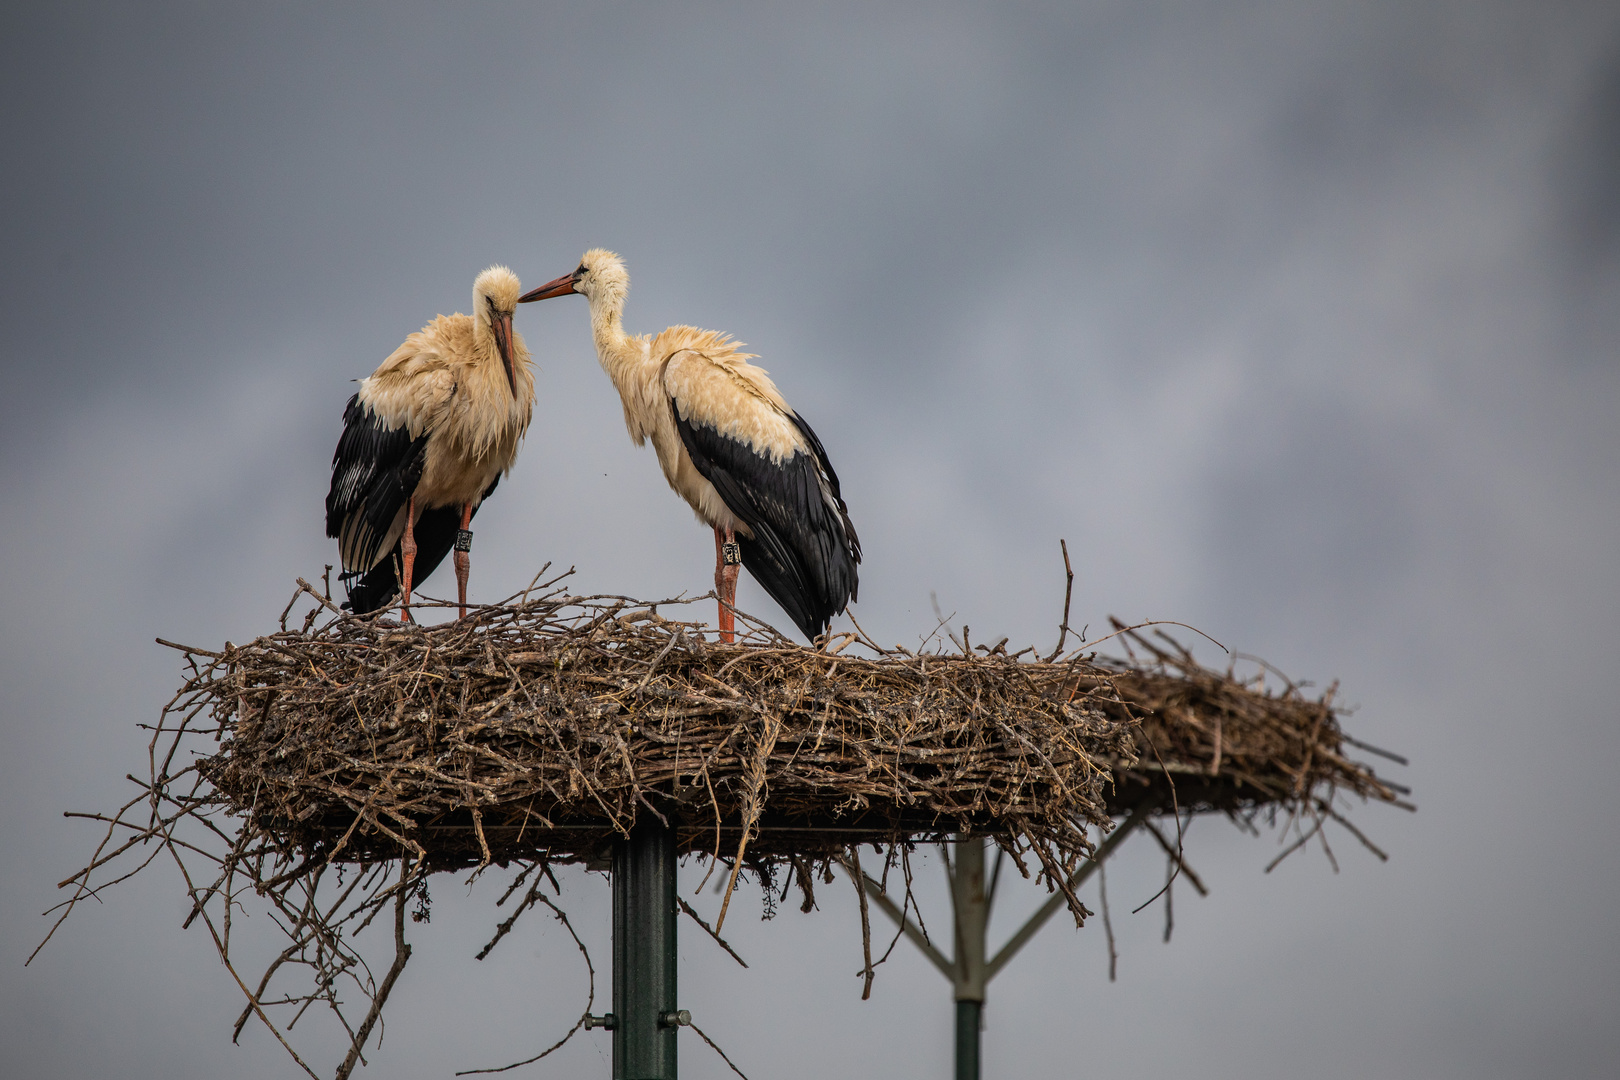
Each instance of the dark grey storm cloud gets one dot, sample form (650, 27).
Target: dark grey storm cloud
(1298, 321)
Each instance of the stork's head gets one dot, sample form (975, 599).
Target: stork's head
(495, 298)
(600, 278)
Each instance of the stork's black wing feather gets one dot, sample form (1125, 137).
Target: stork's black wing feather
(852, 541)
(804, 550)
(374, 471)
(435, 533)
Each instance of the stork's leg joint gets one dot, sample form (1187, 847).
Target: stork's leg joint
(727, 559)
(463, 558)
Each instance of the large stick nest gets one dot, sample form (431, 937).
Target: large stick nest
(539, 730)
(551, 724)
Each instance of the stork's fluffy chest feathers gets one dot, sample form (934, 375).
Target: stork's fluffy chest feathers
(703, 377)
(448, 380)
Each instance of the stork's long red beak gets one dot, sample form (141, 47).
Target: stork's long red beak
(503, 342)
(561, 287)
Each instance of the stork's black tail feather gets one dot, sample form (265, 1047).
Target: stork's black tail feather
(435, 535)
(781, 576)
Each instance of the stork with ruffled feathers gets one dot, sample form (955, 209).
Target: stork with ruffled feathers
(425, 440)
(746, 462)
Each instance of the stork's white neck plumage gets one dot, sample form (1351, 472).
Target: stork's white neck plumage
(621, 355)
(627, 360)
(486, 352)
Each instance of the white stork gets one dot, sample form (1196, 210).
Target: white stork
(731, 447)
(424, 442)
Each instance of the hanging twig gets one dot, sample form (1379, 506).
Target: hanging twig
(1175, 806)
(530, 898)
(590, 997)
(402, 953)
(716, 1048)
(1175, 854)
(1108, 924)
(866, 971)
(709, 930)
(1169, 898)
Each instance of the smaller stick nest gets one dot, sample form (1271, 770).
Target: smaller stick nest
(549, 725)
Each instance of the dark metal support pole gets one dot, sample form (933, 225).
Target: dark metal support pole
(967, 1039)
(971, 900)
(644, 953)
(972, 914)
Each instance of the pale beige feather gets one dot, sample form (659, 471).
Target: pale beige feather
(707, 375)
(448, 381)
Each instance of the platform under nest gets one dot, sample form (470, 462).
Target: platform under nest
(537, 731)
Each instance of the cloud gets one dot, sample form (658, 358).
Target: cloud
(1295, 321)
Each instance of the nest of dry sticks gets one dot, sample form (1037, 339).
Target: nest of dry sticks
(537, 731)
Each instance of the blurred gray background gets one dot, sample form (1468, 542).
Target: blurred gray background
(1298, 321)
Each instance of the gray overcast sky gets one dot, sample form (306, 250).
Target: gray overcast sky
(1299, 321)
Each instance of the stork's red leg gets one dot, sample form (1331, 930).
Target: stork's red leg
(725, 580)
(407, 556)
(463, 556)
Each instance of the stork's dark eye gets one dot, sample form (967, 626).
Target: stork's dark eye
(581, 272)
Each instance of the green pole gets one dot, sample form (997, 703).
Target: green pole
(967, 1039)
(972, 914)
(645, 1017)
